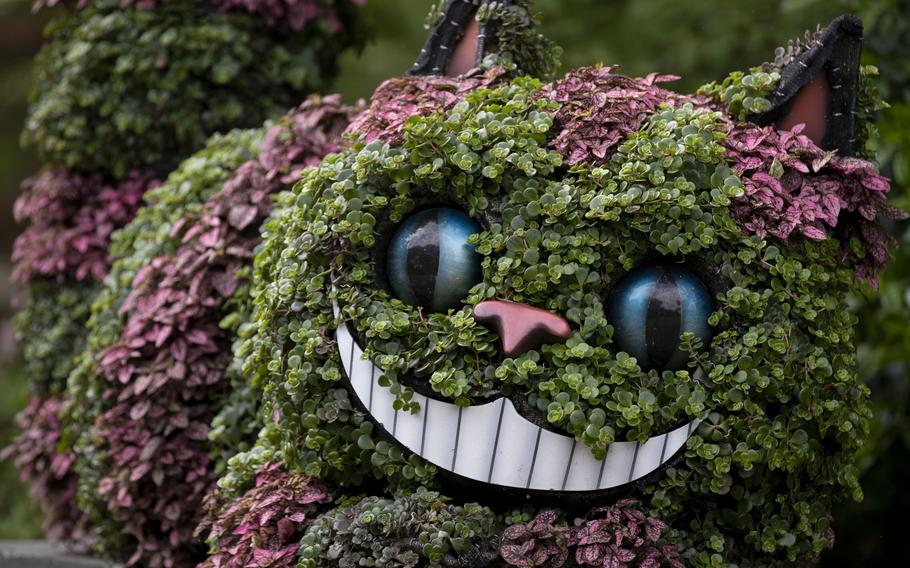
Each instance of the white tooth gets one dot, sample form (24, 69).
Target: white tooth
(584, 471)
(648, 458)
(515, 449)
(441, 430)
(410, 426)
(551, 461)
(345, 345)
(618, 464)
(477, 438)
(360, 372)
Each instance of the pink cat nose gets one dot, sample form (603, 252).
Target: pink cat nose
(521, 327)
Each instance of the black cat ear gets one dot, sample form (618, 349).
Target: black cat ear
(818, 86)
(458, 42)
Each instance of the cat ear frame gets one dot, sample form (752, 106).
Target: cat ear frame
(457, 42)
(819, 88)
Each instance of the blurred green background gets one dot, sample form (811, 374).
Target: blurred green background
(701, 40)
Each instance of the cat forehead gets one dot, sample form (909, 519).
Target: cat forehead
(792, 187)
(786, 130)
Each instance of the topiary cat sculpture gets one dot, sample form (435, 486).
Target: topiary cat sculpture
(587, 322)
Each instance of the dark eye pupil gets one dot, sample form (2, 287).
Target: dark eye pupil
(663, 320)
(652, 307)
(422, 257)
(430, 262)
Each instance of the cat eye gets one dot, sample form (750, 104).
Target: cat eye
(649, 310)
(429, 261)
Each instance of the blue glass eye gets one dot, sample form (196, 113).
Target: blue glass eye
(651, 307)
(430, 262)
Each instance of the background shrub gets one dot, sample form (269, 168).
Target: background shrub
(126, 87)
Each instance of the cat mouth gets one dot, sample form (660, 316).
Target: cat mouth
(493, 444)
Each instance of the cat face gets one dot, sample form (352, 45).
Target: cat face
(562, 292)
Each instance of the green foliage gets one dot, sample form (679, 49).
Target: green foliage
(783, 411)
(744, 94)
(519, 43)
(53, 317)
(20, 518)
(869, 105)
(865, 530)
(338, 443)
(669, 36)
(126, 87)
(238, 421)
(419, 529)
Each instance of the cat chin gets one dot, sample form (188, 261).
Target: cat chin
(491, 444)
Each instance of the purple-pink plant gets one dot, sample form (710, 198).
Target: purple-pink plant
(600, 108)
(263, 527)
(70, 219)
(166, 373)
(617, 536)
(794, 187)
(397, 100)
(540, 544)
(49, 472)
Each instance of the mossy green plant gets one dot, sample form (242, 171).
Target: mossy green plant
(124, 87)
(682, 181)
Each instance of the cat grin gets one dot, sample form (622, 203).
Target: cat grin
(492, 443)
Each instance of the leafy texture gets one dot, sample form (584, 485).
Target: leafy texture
(599, 108)
(61, 258)
(576, 183)
(867, 532)
(680, 180)
(50, 328)
(70, 220)
(126, 89)
(397, 100)
(616, 536)
(294, 14)
(123, 87)
(419, 529)
(261, 527)
(518, 44)
(791, 185)
(157, 231)
(300, 140)
(165, 374)
(49, 471)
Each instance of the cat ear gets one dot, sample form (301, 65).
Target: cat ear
(457, 42)
(818, 86)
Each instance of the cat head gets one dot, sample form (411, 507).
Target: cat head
(559, 293)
